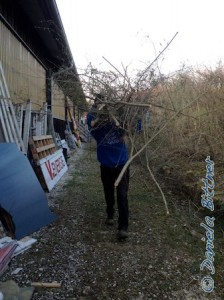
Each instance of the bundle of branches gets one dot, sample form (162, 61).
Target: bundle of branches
(127, 102)
(118, 99)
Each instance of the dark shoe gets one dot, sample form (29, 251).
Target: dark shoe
(122, 234)
(109, 222)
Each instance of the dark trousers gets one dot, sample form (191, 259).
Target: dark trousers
(108, 177)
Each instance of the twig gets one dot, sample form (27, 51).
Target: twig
(117, 123)
(128, 81)
(147, 105)
(158, 56)
(128, 103)
(53, 284)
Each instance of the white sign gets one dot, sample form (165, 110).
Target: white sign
(53, 168)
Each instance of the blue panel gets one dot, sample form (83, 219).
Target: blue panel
(21, 194)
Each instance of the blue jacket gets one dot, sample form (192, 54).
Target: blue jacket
(111, 148)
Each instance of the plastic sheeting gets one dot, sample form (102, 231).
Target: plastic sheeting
(21, 194)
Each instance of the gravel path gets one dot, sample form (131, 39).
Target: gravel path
(160, 260)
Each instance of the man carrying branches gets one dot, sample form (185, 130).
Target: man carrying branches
(112, 154)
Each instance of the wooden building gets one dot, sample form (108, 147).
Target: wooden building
(36, 58)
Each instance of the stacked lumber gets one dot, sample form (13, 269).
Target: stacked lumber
(42, 146)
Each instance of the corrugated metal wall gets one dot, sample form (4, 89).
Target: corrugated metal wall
(25, 76)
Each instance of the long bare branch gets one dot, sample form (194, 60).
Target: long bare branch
(157, 184)
(157, 57)
(147, 143)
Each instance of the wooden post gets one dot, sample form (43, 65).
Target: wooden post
(26, 128)
(45, 119)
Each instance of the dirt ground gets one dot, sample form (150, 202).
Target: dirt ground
(160, 259)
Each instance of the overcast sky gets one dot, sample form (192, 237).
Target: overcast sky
(133, 32)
